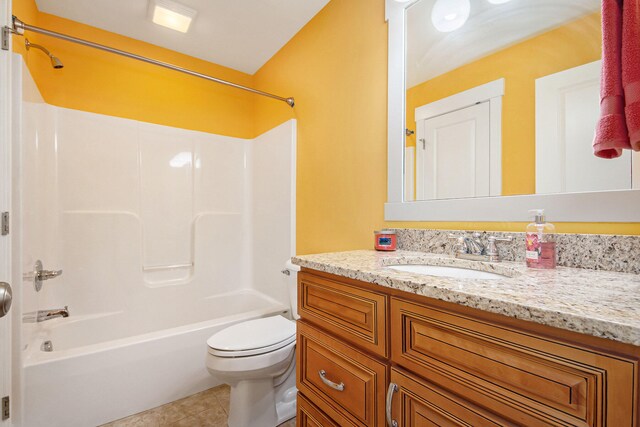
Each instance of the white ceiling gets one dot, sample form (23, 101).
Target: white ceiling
(489, 29)
(239, 34)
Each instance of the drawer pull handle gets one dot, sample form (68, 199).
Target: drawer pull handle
(323, 377)
(392, 389)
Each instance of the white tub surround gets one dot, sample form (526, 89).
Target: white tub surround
(164, 236)
(597, 303)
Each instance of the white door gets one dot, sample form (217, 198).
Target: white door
(567, 110)
(5, 261)
(5, 203)
(453, 154)
(5, 242)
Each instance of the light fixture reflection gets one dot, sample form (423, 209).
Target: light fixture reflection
(181, 160)
(449, 15)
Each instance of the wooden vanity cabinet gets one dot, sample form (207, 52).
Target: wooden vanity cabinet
(452, 365)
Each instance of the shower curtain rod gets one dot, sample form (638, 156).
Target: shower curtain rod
(19, 26)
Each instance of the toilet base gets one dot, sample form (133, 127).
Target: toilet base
(285, 395)
(257, 403)
(287, 410)
(252, 404)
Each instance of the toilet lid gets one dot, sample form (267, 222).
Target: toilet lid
(254, 334)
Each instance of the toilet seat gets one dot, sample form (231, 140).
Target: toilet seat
(253, 337)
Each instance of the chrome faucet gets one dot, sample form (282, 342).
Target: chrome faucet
(39, 275)
(472, 247)
(44, 315)
(47, 274)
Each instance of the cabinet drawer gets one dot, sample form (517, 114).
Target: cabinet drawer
(420, 403)
(529, 380)
(308, 415)
(355, 314)
(363, 379)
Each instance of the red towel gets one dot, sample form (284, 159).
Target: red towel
(631, 68)
(611, 131)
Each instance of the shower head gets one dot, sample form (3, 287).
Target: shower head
(55, 61)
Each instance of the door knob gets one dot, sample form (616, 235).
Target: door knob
(5, 298)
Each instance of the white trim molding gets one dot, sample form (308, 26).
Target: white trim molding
(615, 206)
(605, 206)
(482, 93)
(396, 115)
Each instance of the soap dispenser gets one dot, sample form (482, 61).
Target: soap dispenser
(540, 242)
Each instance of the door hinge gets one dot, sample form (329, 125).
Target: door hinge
(6, 411)
(4, 223)
(6, 36)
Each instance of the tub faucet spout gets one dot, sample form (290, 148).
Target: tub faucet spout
(44, 315)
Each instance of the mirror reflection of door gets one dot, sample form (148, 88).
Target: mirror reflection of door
(567, 110)
(452, 154)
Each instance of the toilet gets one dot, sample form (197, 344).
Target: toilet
(257, 359)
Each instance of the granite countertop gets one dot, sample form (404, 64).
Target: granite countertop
(597, 303)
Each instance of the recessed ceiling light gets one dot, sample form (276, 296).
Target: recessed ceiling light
(449, 15)
(497, 1)
(172, 15)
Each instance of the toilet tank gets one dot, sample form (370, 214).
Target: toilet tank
(292, 286)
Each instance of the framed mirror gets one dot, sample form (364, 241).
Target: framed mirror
(492, 109)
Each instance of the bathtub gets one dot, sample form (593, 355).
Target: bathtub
(110, 365)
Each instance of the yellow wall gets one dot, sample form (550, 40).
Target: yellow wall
(520, 65)
(335, 67)
(105, 83)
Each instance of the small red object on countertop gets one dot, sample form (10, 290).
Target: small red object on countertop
(386, 240)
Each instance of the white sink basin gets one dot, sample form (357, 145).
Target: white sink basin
(442, 271)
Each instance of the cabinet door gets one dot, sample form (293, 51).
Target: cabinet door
(418, 403)
(532, 381)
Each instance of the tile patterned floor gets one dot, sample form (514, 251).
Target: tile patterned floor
(206, 409)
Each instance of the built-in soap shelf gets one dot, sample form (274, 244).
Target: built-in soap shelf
(163, 275)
